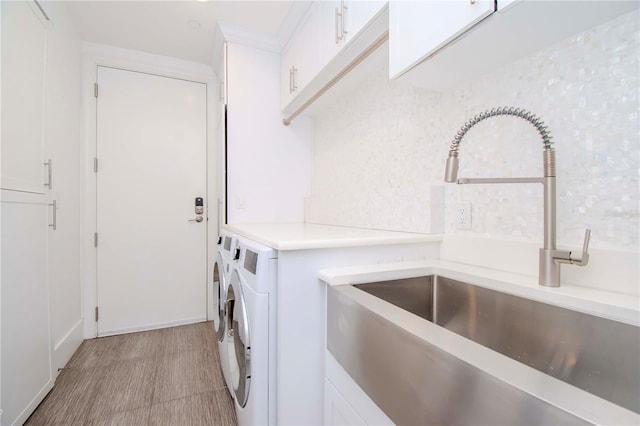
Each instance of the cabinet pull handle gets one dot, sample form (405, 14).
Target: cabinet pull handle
(222, 91)
(472, 2)
(54, 204)
(337, 26)
(295, 72)
(291, 80)
(342, 16)
(49, 182)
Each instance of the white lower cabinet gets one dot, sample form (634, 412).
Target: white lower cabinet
(337, 410)
(345, 402)
(26, 350)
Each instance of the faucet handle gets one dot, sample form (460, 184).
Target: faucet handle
(584, 259)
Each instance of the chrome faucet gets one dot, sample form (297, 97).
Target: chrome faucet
(550, 257)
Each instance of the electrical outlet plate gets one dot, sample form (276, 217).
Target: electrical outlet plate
(463, 216)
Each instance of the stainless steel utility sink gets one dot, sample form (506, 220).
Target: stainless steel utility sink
(595, 354)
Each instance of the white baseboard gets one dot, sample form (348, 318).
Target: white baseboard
(29, 409)
(65, 347)
(155, 326)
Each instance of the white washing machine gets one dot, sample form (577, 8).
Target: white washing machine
(225, 264)
(251, 313)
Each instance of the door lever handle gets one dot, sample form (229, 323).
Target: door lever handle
(198, 219)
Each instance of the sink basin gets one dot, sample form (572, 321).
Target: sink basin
(595, 354)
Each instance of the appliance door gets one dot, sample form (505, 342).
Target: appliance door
(239, 339)
(219, 288)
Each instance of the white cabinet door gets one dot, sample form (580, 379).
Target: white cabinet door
(340, 22)
(331, 29)
(320, 36)
(24, 39)
(287, 60)
(418, 29)
(25, 344)
(358, 14)
(299, 61)
(221, 73)
(337, 410)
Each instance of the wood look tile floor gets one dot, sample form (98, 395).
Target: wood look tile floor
(169, 376)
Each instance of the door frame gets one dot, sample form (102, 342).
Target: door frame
(95, 55)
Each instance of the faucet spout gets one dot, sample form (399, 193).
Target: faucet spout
(550, 257)
(451, 170)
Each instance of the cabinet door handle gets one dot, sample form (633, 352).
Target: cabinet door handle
(54, 204)
(291, 80)
(295, 72)
(337, 17)
(49, 182)
(222, 85)
(342, 16)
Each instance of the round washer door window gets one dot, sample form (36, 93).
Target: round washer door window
(240, 347)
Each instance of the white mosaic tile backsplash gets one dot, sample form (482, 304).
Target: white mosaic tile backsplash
(380, 151)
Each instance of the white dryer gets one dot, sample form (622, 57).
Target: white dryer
(225, 263)
(251, 314)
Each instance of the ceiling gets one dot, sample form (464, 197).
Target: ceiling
(181, 28)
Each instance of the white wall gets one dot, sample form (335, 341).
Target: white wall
(378, 151)
(268, 163)
(62, 144)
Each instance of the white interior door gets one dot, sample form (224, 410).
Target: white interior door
(151, 149)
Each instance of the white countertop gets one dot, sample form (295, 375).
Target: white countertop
(572, 399)
(303, 236)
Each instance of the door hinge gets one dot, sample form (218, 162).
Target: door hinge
(95, 90)
(95, 164)
(95, 239)
(96, 314)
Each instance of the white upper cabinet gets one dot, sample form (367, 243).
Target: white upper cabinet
(358, 14)
(331, 30)
(324, 31)
(417, 29)
(438, 44)
(24, 40)
(341, 21)
(299, 61)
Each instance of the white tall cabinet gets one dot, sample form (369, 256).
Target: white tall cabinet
(40, 314)
(267, 164)
(26, 213)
